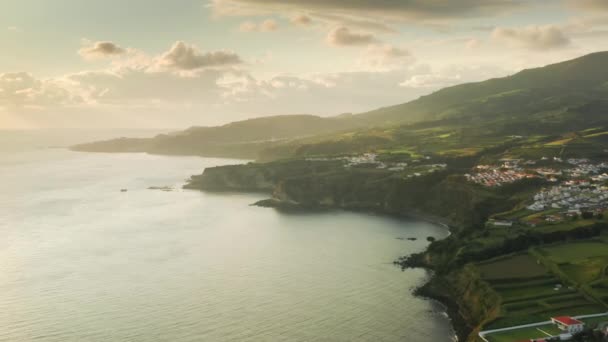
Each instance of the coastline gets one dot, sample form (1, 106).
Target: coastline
(460, 327)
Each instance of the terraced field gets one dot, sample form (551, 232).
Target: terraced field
(601, 289)
(530, 293)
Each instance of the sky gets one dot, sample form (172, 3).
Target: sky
(174, 64)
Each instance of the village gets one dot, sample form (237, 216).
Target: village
(512, 170)
(579, 187)
(370, 160)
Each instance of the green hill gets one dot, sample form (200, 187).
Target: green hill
(551, 100)
(242, 139)
(541, 86)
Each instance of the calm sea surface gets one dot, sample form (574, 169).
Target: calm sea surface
(82, 261)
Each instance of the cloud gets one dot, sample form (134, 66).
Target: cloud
(301, 20)
(128, 86)
(587, 26)
(334, 93)
(411, 10)
(322, 94)
(14, 29)
(268, 25)
(368, 25)
(22, 89)
(342, 36)
(126, 97)
(431, 81)
(248, 26)
(182, 56)
(532, 37)
(473, 43)
(434, 79)
(384, 57)
(179, 76)
(101, 49)
(134, 95)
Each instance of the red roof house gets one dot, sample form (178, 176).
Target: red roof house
(568, 324)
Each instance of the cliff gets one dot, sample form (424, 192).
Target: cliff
(328, 184)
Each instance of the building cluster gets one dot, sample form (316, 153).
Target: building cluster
(371, 160)
(493, 176)
(572, 196)
(582, 188)
(366, 158)
(512, 170)
(583, 170)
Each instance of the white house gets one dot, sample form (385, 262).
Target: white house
(569, 324)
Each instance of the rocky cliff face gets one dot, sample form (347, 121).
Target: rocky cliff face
(233, 178)
(257, 177)
(470, 301)
(328, 184)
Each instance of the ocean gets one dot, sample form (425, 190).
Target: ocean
(90, 253)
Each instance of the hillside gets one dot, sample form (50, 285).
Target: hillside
(242, 139)
(573, 78)
(551, 100)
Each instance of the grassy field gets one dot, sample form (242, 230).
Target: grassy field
(584, 263)
(519, 266)
(530, 293)
(574, 252)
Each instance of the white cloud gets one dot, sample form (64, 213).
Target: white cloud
(268, 25)
(587, 26)
(23, 90)
(182, 56)
(136, 80)
(248, 26)
(473, 43)
(384, 57)
(343, 36)
(14, 29)
(301, 20)
(532, 37)
(323, 94)
(434, 79)
(101, 49)
(366, 24)
(136, 86)
(186, 86)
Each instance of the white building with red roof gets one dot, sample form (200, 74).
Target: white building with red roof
(569, 324)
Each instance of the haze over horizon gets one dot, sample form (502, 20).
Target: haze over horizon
(156, 64)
